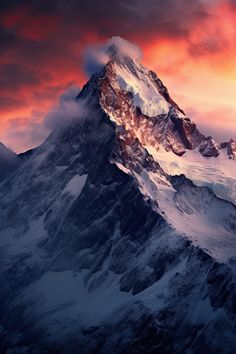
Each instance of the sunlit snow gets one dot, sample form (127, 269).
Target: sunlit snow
(144, 91)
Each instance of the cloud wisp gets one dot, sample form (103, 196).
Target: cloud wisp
(67, 108)
(32, 133)
(97, 56)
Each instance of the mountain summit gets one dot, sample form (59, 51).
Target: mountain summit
(104, 247)
(151, 112)
(136, 100)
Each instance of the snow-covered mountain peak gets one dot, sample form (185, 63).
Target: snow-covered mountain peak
(135, 99)
(149, 93)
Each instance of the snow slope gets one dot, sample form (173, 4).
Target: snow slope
(196, 213)
(145, 93)
(219, 174)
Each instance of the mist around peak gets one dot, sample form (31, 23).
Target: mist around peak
(97, 56)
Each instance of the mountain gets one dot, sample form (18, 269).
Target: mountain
(230, 147)
(104, 247)
(8, 161)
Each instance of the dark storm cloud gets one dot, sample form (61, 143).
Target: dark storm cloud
(9, 102)
(14, 75)
(28, 50)
(169, 17)
(232, 4)
(6, 5)
(7, 39)
(73, 21)
(47, 33)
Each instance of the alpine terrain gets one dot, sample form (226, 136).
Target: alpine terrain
(118, 233)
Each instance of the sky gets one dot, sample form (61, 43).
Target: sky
(190, 44)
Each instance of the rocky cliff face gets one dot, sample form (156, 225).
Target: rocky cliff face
(230, 148)
(102, 249)
(127, 91)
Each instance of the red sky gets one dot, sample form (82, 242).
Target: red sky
(191, 45)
